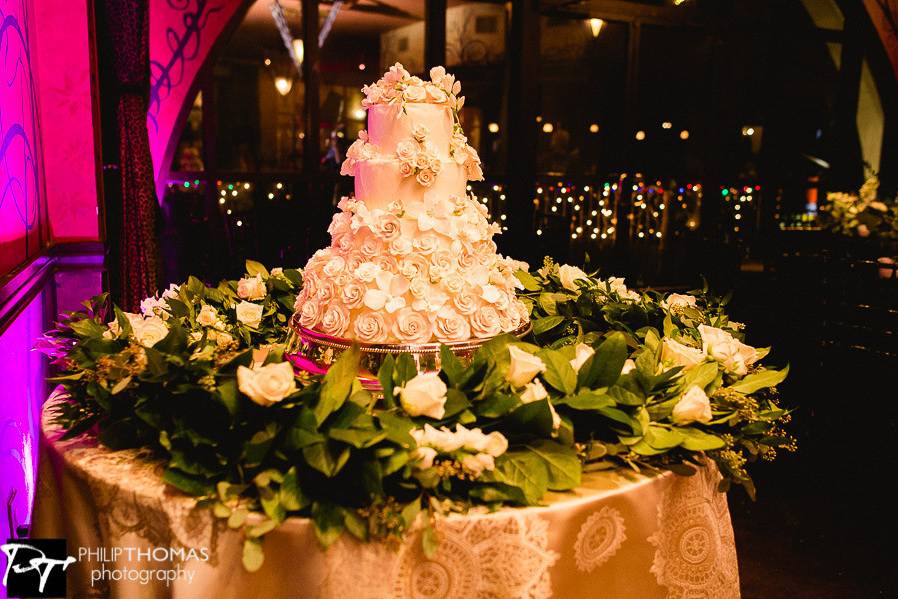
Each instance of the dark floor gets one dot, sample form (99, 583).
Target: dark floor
(824, 524)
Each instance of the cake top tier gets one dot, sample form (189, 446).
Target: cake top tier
(398, 86)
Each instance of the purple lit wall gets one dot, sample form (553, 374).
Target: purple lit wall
(48, 194)
(21, 395)
(182, 36)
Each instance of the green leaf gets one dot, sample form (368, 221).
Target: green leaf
(563, 466)
(337, 383)
(456, 402)
(429, 542)
(496, 406)
(625, 397)
(290, 493)
(697, 440)
(604, 367)
(254, 268)
(192, 485)
(534, 418)
(663, 438)
(385, 377)
(541, 325)
(320, 457)
(227, 393)
(357, 438)
(253, 557)
(397, 427)
(761, 379)
(406, 369)
(527, 280)
(451, 366)
(329, 522)
(700, 375)
(587, 400)
(525, 470)
(559, 372)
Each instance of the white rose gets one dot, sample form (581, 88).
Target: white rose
(424, 395)
(629, 366)
(424, 457)
(249, 314)
(678, 300)
(735, 356)
(208, 316)
(477, 463)
(266, 385)
(679, 354)
(496, 444)
(277, 271)
(569, 276)
(692, 407)
(523, 367)
(252, 288)
(583, 353)
(150, 331)
(534, 391)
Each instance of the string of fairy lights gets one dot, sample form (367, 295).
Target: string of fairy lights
(594, 214)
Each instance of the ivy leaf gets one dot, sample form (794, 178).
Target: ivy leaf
(761, 380)
(337, 384)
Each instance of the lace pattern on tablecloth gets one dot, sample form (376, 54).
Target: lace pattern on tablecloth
(599, 538)
(503, 557)
(695, 548)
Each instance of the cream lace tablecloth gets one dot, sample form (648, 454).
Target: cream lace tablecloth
(619, 535)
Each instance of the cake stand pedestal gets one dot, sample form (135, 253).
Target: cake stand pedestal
(314, 352)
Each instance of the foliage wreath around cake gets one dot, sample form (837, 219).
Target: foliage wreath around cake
(608, 378)
(611, 378)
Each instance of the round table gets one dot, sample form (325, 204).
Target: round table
(619, 535)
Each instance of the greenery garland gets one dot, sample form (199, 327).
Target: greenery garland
(612, 378)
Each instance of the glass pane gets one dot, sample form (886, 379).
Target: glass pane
(581, 118)
(189, 153)
(475, 33)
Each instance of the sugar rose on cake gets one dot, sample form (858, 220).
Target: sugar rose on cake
(412, 257)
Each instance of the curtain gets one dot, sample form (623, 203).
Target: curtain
(127, 25)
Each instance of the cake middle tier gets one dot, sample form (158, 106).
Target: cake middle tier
(378, 181)
(391, 124)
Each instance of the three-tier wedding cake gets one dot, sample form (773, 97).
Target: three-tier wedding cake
(412, 259)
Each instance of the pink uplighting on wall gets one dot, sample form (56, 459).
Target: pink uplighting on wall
(182, 34)
(64, 79)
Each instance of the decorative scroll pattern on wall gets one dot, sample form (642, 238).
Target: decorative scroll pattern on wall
(184, 44)
(22, 210)
(182, 34)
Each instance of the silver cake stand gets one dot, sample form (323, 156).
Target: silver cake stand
(314, 352)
